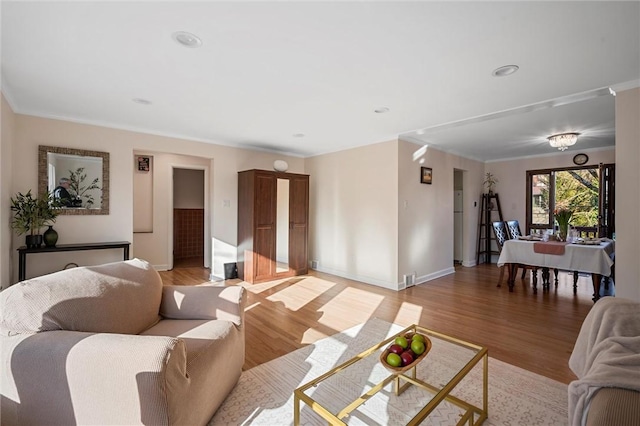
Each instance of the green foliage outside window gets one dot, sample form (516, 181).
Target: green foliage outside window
(575, 190)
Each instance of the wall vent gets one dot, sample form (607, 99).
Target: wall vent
(409, 280)
(314, 264)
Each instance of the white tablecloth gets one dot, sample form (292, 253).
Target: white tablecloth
(595, 259)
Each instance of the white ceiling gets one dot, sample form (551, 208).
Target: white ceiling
(269, 70)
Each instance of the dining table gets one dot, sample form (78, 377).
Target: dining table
(595, 257)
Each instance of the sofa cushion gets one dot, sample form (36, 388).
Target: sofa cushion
(121, 297)
(614, 407)
(215, 355)
(205, 301)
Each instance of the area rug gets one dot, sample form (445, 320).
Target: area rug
(264, 394)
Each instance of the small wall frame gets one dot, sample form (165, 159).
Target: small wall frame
(143, 163)
(426, 175)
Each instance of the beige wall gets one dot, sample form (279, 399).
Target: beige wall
(512, 176)
(628, 194)
(223, 162)
(143, 195)
(7, 126)
(354, 214)
(425, 212)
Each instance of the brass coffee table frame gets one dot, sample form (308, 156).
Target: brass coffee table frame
(472, 416)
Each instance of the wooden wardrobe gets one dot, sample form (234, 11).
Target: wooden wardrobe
(273, 218)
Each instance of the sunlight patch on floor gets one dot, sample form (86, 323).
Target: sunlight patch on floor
(408, 314)
(350, 307)
(248, 308)
(312, 336)
(259, 288)
(301, 293)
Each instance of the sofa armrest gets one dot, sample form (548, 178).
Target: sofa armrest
(204, 302)
(88, 378)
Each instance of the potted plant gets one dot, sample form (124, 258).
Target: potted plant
(79, 190)
(31, 214)
(489, 181)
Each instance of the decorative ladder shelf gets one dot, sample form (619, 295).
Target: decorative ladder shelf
(489, 205)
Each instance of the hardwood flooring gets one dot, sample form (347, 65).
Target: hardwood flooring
(532, 331)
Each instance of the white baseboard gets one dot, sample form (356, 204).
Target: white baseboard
(366, 280)
(213, 277)
(469, 263)
(379, 283)
(161, 268)
(429, 277)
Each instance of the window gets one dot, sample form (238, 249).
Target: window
(587, 191)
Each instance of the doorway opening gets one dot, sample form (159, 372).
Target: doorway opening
(458, 215)
(188, 218)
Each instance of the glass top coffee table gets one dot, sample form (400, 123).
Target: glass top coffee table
(362, 391)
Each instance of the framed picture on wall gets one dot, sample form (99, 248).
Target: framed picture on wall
(425, 175)
(143, 164)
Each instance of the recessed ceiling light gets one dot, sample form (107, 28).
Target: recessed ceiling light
(187, 39)
(505, 70)
(298, 135)
(141, 101)
(381, 110)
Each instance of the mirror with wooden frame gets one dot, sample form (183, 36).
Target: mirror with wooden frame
(78, 178)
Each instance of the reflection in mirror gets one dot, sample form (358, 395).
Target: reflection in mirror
(282, 226)
(78, 178)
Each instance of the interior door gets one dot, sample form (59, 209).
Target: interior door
(299, 224)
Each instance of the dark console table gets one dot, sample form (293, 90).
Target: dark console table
(23, 251)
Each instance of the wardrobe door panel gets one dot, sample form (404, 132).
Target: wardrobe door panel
(265, 217)
(299, 219)
(265, 201)
(263, 254)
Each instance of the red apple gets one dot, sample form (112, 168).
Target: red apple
(412, 353)
(406, 357)
(396, 349)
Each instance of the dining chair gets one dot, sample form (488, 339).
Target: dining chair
(501, 234)
(513, 227)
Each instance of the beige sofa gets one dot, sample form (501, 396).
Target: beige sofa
(110, 344)
(606, 361)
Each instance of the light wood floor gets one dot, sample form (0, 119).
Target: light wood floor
(532, 331)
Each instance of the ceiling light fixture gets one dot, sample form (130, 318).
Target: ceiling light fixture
(187, 39)
(505, 70)
(563, 140)
(381, 110)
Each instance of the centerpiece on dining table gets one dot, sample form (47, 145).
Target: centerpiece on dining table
(563, 217)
